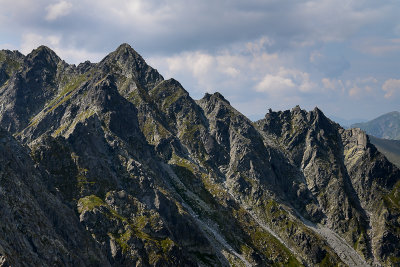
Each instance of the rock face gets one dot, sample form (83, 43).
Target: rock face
(37, 228)
(110, 164)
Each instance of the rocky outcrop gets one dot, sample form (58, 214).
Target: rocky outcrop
(138, 173)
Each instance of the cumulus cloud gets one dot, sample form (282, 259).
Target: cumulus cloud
(31, 41)
(70, 54)
(245, 73)
(391, 88)
(274, 83)
(229, 70)
(60, 9)
(284, 81)
(194, 65)
(332, 84)
(363, 87)
(357, 88)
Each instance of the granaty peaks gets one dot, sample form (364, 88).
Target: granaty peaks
(43, 54)
(111, 165)
(124, 54)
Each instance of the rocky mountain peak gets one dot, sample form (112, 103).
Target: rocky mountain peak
(85, 66)
(322, 122)
(296, 109)
(126, 62)
(43, 55)
(318, 113)
(126, 53)
(215, 97)
(126, 49)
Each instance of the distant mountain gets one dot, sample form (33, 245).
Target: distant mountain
(108, 164)
(386, 126)
(346, 123)
(390, 148)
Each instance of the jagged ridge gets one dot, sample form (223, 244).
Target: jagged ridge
(157, 178)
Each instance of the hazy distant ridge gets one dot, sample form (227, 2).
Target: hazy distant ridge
(386, 126)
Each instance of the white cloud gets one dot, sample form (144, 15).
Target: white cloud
(391, 88)
(286, 80)
(328, 83)
(70, 54)
(146, 11)
(273, 83)
(60, 9)
(240, 73)
(259, 45)
(355, 91)
(358, 88)
(234, 68)
(197, 64)
(31, 41)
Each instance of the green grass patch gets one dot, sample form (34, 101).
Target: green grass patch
(65, 93)
(123, 240)
(166, 244)
(89, 203)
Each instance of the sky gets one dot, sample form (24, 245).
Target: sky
(340, 55)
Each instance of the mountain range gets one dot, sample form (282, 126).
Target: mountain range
(386, 126)
(109, 164)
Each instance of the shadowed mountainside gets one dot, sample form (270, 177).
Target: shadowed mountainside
(390, 148)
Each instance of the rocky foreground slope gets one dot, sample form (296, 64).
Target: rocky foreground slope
(109, 164)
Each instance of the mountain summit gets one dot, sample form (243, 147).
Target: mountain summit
(108, 164)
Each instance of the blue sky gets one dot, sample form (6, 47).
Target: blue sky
(342, 56)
